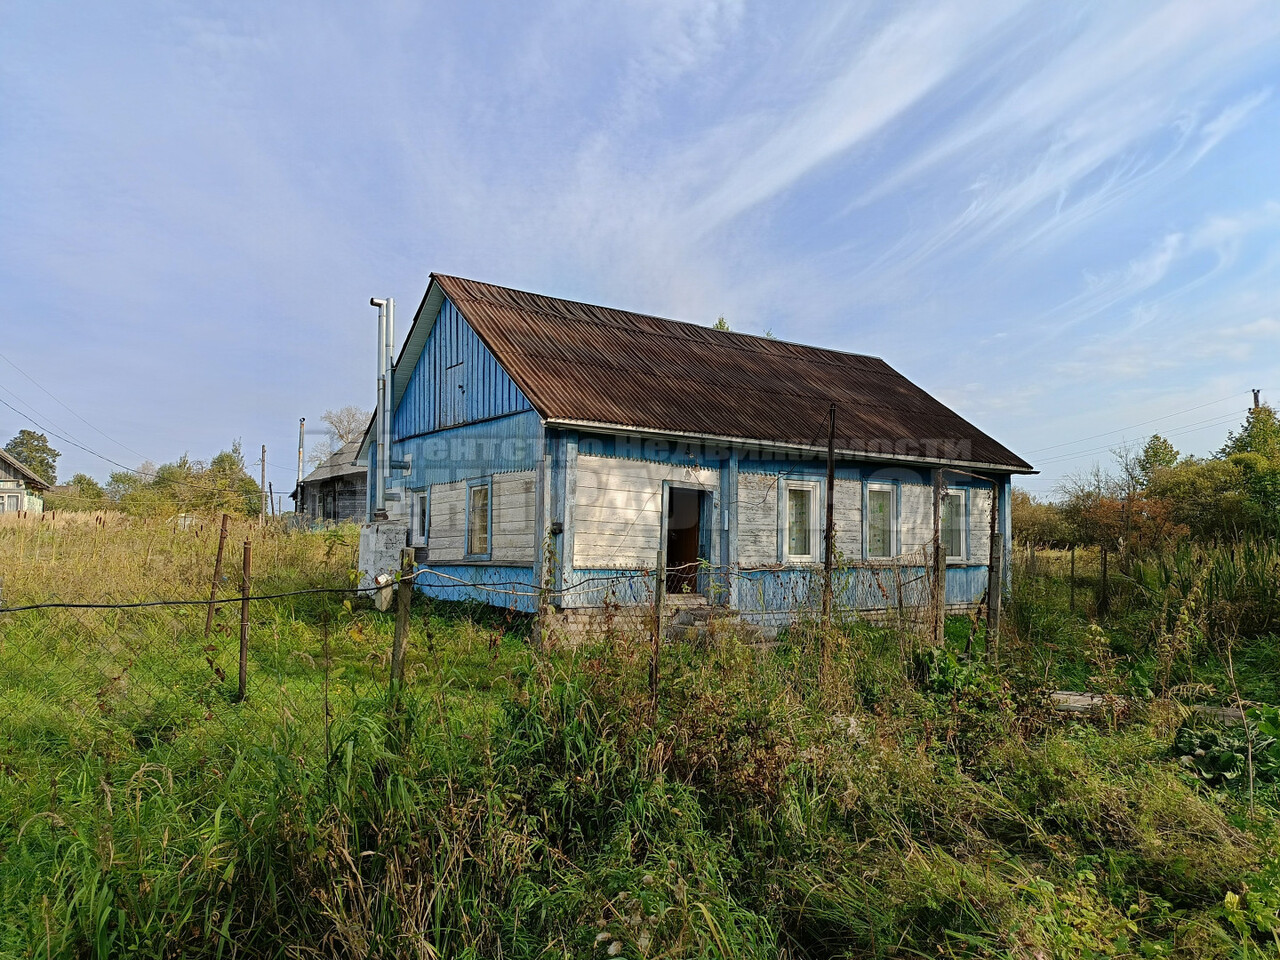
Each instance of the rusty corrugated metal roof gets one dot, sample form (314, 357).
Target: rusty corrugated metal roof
(591, 364)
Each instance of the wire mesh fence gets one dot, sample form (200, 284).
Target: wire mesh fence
(145, 674)
(107, 634)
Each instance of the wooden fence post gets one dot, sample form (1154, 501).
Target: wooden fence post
(659, 600)
(939, 597)
(1104, 593)
(404, 599)
(829, 526)
(245, 582)
(217, 576)
(995, 578)
(1073, 578)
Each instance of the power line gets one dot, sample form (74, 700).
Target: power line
(1134, 426)
(40, 387)
(1187, 428)
(93, 453)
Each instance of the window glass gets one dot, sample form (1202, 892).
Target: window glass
(422, 519)
(880, 522)
(798, 525)
(953, 524)
(478, 521)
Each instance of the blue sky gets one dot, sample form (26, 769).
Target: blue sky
(1062, 219)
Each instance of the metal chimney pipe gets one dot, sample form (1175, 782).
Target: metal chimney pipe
(380, 424)
(302, 426)
(388, 396)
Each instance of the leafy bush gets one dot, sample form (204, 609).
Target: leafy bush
(1221, 756)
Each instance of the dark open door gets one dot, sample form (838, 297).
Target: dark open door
(684, 525)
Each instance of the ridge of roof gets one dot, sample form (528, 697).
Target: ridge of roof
(752, 339)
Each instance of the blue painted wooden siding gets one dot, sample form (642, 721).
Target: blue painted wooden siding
(483, 449)
(455, 381)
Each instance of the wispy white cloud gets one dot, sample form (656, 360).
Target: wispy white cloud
(886, 75)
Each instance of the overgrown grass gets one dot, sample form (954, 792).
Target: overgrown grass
(1198, 623)
(846, 795)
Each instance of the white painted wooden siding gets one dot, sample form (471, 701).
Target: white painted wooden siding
(916, 520)
(848, 517)
(617, 509)
(513, 529)
(447, 535)
(757, 519)
(512, 532)
(979, 525)
(915, 517)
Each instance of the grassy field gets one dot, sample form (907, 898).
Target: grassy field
(846, 795)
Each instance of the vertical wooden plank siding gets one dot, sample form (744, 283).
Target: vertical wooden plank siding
(570, 495)
(456, 380)
(729, 524)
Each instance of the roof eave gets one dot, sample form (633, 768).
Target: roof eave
(842, 453)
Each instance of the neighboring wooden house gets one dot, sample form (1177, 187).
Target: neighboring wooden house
(20, 488)
(526, 429)
(335, 490)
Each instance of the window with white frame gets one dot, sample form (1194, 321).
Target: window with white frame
(801, 526)
(478, 519)
(954, 525)
(882, 520)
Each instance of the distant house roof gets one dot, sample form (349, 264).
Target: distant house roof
(587, 365)
(22, 470)
(341, 463)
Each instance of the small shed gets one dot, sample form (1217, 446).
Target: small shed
(20, 488)
(334, 491)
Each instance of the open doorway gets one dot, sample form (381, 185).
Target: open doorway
(684, 538)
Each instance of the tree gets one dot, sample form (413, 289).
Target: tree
(320, 451)
(32, 450)
(1158, 454)
(1208, 497)
(720, 324)
(87, 488)
(1036, 521)
(348, 423)
(1260, 434)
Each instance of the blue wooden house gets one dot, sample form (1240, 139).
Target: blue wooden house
(537, 447)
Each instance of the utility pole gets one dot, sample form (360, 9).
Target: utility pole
(830, 526)
(1257, 402)
(262, 512)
